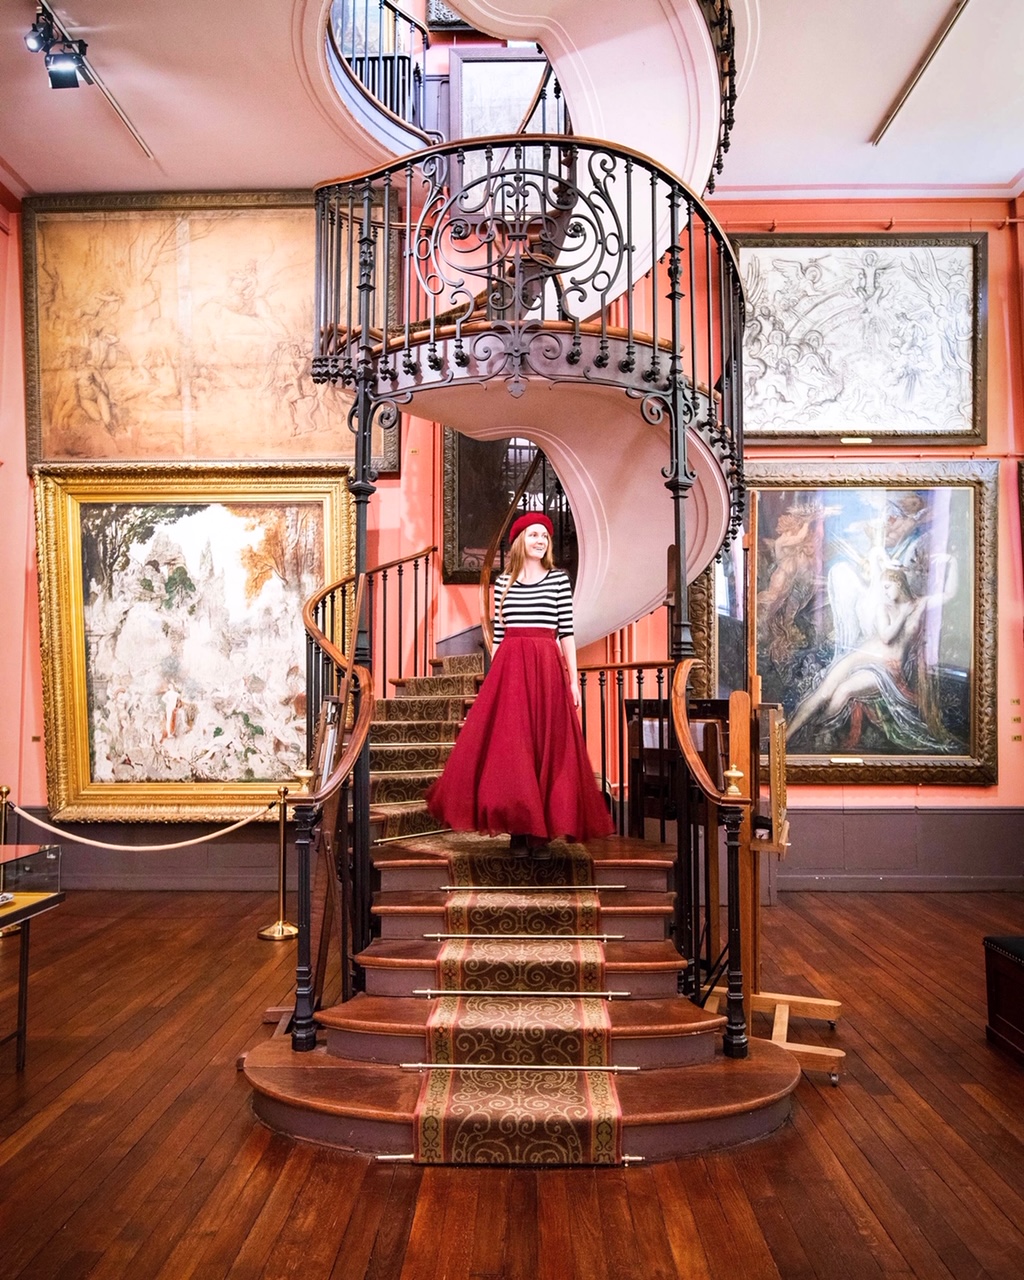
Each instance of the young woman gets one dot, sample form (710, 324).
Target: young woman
(520, 764)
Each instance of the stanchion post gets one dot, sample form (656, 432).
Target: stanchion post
(5, 795)
(280, 930)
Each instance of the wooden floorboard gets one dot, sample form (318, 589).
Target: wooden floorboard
(128, 1146)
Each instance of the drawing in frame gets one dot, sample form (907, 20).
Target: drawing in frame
(876, 594)
(173, 651)
(178, 328)
(881, 338)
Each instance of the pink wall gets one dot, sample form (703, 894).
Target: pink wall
(406, 513)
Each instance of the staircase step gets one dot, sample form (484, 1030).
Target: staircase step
(423, 732)
(417, 708)
(634, 915)
(459, 664)
(407, 757)
(396, 788)
(667, 1111)
(398, 966)
(420, 863)
(648, 1033)
(393, 820)
(452, 685)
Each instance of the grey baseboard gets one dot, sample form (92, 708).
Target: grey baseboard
(904, 850)
(244, 860)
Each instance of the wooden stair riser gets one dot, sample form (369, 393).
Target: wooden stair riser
(641, 985)
(459, 664)
(398, 788)
(415, 924)
(443, 686)
(626, 1051)
(426, 877)
(667, 1112)
(447, 709)
(414, 732)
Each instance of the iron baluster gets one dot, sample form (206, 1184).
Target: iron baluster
(735, 1043)
(401, 620)
(583, 704)
(416, 617)
(385, 633)
(602, 682)
(426, 613)
(620, 713)
(303, 1022)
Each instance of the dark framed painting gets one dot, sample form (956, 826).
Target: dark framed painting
(174, 655)
(865, 339)
(875, 593)
(178, 328)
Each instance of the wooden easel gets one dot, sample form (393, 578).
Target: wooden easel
(747, 717)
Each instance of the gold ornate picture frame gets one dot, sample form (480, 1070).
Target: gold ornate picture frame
(174, 657)
(178, 328)
(875, 338)
(876, 591)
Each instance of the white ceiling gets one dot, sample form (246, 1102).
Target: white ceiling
(232, 95)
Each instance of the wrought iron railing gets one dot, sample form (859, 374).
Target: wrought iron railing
(504, 259)
(341, 705)
(718, 15)
(385, 49)
(548, 112)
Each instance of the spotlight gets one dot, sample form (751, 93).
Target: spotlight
(40, 36)
(65, 65)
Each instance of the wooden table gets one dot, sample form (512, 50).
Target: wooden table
(22, 911)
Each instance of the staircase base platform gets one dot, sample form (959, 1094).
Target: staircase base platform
(667, 1112)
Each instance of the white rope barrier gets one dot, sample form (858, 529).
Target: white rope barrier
(142, 848)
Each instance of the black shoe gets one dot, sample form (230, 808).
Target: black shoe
(541, 853)
(518, 846)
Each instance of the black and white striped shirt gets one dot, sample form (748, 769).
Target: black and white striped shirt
(547, 603)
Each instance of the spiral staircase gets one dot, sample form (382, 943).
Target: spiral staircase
(576, 292)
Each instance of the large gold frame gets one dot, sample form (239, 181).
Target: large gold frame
(978, 766)
(61, 492)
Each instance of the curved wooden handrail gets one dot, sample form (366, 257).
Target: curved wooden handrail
(681, 721)
(626, 666)
(307, 609)
(486, 622)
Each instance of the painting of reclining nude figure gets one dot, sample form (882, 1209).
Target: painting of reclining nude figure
(874, 606)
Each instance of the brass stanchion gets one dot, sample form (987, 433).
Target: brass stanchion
(281, 930)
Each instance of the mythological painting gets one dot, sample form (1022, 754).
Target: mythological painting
(874, 598)
(177, 328)
(174, 648)
(878, 337)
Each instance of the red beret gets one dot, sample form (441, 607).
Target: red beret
(522, 523)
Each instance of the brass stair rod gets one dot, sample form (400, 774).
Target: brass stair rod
(280, 930)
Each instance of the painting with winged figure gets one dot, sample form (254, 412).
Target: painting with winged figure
(869, 602)
(879, 336)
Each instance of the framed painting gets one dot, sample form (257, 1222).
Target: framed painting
(174, 656)
(865, 339)
(876, 586)
(178, 328)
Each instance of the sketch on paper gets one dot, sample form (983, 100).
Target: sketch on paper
(180, 333)
(194, 639)
(879, 339)
(865, 618)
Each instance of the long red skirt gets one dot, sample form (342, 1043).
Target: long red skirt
(520, 763)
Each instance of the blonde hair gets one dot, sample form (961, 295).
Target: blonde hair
(515, 562)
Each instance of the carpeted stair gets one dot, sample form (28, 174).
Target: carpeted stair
(436, 1000)
(411, 738)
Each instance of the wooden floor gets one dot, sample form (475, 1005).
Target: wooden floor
(127, 1147)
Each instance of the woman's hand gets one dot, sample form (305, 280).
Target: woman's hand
(574, 689)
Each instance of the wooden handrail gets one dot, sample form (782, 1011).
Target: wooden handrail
(693, 758)
(626, 666)
(486, 624)
(314, 600)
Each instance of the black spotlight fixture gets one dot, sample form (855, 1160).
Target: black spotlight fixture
(65, 65)
(40, 36)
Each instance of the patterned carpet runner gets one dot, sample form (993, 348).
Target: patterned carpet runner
(510, 1112)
